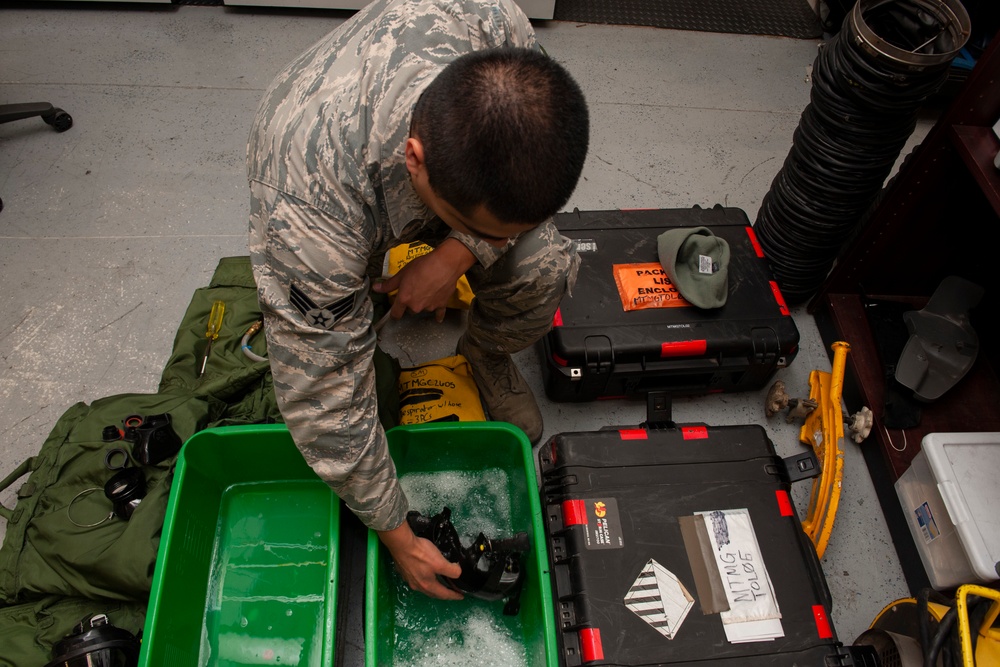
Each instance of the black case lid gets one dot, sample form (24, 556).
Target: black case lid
(643, 484)
(607, 238)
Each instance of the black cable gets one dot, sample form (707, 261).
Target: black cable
(924, 620)
(863, 108)
(946, 643)
(940, 639)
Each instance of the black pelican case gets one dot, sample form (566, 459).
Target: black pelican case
(597, 349)
(622, 505)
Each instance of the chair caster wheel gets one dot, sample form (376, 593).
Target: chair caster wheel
(59, 120)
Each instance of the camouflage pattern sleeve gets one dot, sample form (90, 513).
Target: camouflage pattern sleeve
(484, 253)
(310, 271)
(330, 189)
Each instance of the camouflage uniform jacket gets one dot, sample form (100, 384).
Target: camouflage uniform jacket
(330, 191)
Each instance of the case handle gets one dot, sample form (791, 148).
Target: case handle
(659, 410)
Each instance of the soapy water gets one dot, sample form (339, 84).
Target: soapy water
(249, 613)
(471, 632)
(479, 501)
(465, 640)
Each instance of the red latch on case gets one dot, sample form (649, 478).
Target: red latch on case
(684, 348)
(822, 622)
(782, 306)
(633, 434)
(574, 512)
(784, 503)
(591, 648)
(694, 432)
(753, 241)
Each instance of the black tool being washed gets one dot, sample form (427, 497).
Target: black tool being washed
(491, 569)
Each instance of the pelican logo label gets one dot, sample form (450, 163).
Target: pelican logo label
(604, 525)
(321, 317)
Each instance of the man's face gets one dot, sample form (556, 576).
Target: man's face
(481, 224)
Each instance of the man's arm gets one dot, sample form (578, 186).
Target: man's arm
(320, 344)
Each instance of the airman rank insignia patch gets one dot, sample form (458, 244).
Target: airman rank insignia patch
(322, 317)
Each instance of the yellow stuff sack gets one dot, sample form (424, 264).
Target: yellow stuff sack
(402, 254)
(439, 391)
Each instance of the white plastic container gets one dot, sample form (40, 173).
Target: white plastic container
(951, 499)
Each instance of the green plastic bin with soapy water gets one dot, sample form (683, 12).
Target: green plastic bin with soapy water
(485, 473)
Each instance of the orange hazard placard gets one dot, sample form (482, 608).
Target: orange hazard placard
(644, 286)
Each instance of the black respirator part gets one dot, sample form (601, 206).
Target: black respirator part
(491, 569)
(125, 489)
(153, 438)
(95, 642)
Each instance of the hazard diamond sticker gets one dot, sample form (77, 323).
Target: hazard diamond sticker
(660, 599)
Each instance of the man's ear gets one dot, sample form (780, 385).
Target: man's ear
(415, 157)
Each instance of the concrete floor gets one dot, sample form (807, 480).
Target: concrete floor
(108, 228)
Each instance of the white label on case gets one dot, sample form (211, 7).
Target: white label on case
(659, 598)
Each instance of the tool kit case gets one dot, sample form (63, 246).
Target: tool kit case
(681, 546)
(598, 349)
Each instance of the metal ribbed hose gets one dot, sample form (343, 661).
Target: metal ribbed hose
(868, 84)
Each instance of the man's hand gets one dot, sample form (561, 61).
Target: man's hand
(419, 561)
(426, 283)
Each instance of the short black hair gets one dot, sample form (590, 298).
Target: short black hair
(506, 128)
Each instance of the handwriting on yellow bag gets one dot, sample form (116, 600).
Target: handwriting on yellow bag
(441, 390)
(401, 255)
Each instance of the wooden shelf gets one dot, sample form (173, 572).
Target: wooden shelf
(977, 146)
(932, 221)
(969, 406)
(925, 228)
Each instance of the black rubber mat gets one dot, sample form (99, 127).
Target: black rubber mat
(787, 18)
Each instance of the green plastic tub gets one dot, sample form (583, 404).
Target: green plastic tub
(248, 556)
(485, 472)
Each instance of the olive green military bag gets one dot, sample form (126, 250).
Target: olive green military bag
(82, 536)
(87, 520)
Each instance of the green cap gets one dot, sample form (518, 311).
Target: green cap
(697, 263)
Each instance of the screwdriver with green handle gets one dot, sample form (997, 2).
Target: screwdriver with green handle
(212, 332)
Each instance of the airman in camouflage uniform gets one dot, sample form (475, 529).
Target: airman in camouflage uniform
(331, 192)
